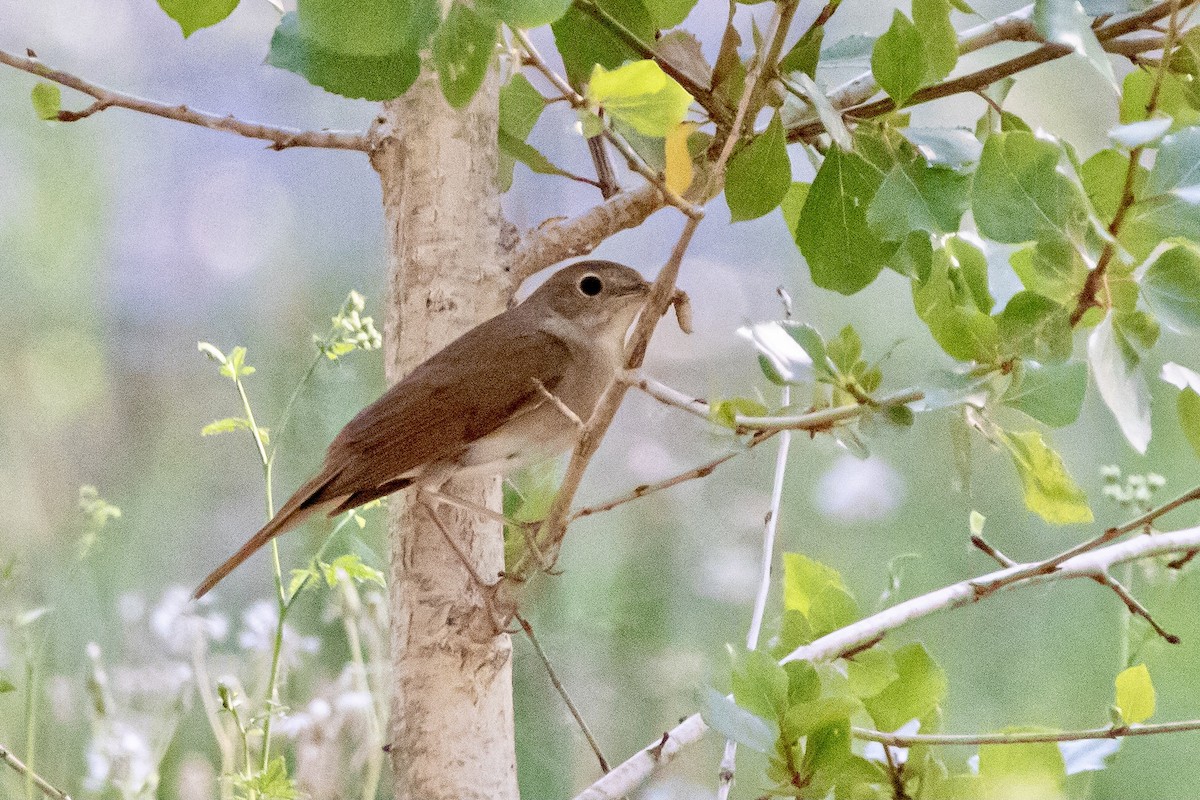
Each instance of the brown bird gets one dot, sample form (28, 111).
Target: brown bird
(492, 400)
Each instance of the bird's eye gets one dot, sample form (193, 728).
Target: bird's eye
(591, 285)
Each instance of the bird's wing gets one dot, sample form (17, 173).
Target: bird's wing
(430, 417)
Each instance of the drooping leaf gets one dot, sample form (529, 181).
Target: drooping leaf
(1103, 177)
(843, 254)
(356, 48)
(640, 95)
(1171, 286)
(932, 19)
(678, 172)
(734, 722)
(1171, 204)
(1050, 491)
(954, 148)
(759, 174)
(946, 303)
(1115, 366)
(192, 15)
(804, 580)
(520, 107)
(898, 60)
(462, 50)
(1064, 22)
(1050, 394)
(1135, 694)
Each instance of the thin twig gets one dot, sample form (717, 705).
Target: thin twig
(701, 94)
(983, 545)
(280, 138)
(976, 739)
(562, 692)
(577, 101)
(702, 471)
(1135, 606)
(766, 560)
(41, 783)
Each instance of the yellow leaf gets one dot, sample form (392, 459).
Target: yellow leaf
(1135, 694)
(678, 172)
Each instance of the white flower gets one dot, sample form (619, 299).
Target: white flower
(259, 623)
(177, 621)
(120, 755)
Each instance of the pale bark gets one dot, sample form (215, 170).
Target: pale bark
(451, 732)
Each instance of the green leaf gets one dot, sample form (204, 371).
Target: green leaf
(972, 264)
(932, 19)
(583, 42)
(1037, 770)
(917, 196)
(898, 60)
(1135, 694)
(834, 608)
(1188, 408)
(843, 254)
(235, 367)
(47, 100)
(1140, 134)
(192, 15)
(1019, 195)
(356, 48)
(955, 148)
(759, 174)
(1171, 204)
(1051, 394)
(669, 13)
(525, 13)
(870, 672)
(300, 578)
(1063, 22)
(726, 412)
(804, 684)
(845, 350)
(1103, 177)
(1115, 366)
(804, 581)
(805, 53)
(793, 204)
(734, 722)
(352, 566)
(830, 117)
(641, 95)
(920, 687)
(804, 718)
(1033, 326)
(6, 685)
(225, 426)
(462, 50)
(520, 107)
(1172, 97)
(947, 304)
(759, 684)
(1172, 287)
(272, 783)
(828, 748)
(1050, 491)
(1052, 268)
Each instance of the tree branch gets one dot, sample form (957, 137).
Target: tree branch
(556, 240)
(1115, 732)
(632, 773)
(41, 783)
(850, 96)
(280, 138)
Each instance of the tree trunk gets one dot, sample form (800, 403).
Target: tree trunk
(451, 732)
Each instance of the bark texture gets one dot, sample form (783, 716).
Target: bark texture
(451, 731)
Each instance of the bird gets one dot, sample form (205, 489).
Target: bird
(508, 392)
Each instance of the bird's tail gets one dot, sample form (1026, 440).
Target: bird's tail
(298, 508)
